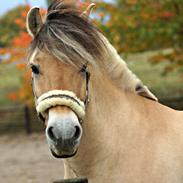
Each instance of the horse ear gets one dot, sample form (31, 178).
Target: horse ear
(145, 92)
(34, 21)
(88, 11)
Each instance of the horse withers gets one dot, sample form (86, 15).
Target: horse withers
(98, 114)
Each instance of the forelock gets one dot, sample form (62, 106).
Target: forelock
(68, 36)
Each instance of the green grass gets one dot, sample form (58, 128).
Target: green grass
(162, 86)
(10, 80)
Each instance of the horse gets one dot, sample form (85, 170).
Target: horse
(99, 117)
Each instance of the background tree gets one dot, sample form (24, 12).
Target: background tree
(17, 49)
(11, 25)
(135, 26)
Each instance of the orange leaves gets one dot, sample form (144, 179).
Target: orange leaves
(27, 8)
(20, 22)
(174, 60)
(158, 58)
(83, 5)
(43, 12)
(167, 14)
(24, 14)
(12, 96)
(134, 25)
(27, 76)
(17, 55)
(24, 93)
(145, 15)
(22, 40)
(17, 52)
(21, 66)
(3, 51)
(101, 14)
(132, 2)
(22, 19)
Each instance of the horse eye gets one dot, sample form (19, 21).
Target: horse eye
(35, 69)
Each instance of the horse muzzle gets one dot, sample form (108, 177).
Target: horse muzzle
(63, 133)
(65, 113)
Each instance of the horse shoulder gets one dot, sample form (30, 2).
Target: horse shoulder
(158, 118)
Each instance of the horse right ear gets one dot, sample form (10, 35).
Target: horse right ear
(88, 11)
(34, 21)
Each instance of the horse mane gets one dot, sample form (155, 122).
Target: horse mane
(73, 39)
(123, 77)
(69, 36)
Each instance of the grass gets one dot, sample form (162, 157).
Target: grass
(10, 80)
(162, 86)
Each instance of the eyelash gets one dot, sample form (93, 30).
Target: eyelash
(35, 69)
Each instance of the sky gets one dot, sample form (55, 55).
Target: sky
(9, 4)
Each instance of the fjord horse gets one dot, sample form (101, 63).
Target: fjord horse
(96, 111)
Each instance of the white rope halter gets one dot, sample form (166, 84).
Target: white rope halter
(62, 98)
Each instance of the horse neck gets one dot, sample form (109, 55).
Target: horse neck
(105, 97)
(107, 103)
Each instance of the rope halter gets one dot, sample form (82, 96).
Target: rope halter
(60, 98)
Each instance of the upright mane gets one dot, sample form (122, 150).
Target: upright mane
(73, 39)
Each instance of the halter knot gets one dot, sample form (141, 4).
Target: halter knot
(62, 98)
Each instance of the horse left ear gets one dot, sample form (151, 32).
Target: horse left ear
(88, 11)
(34, 21)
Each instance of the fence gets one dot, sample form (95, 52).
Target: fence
(175, 103)
(17, 119)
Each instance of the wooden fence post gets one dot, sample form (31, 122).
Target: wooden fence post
(27, 120)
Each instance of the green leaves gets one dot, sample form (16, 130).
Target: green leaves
(138, 25)
(143, 25)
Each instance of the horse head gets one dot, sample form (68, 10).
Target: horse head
(66, 46)
(59, 73)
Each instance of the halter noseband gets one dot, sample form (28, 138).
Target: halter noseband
(63, 98)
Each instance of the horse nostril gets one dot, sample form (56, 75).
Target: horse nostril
(77, 133)
(51, 134)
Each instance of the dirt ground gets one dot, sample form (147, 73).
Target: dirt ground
(26, 159)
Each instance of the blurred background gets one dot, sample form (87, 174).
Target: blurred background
(147, 34)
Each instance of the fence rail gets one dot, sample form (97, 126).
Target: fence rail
(21, 118)
(173, 102)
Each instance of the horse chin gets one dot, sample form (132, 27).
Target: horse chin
(63, 156)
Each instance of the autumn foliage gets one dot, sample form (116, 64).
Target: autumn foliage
(135, 26)
(130, 25)
(17, 50)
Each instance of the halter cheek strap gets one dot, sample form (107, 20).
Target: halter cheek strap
(62, 98)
